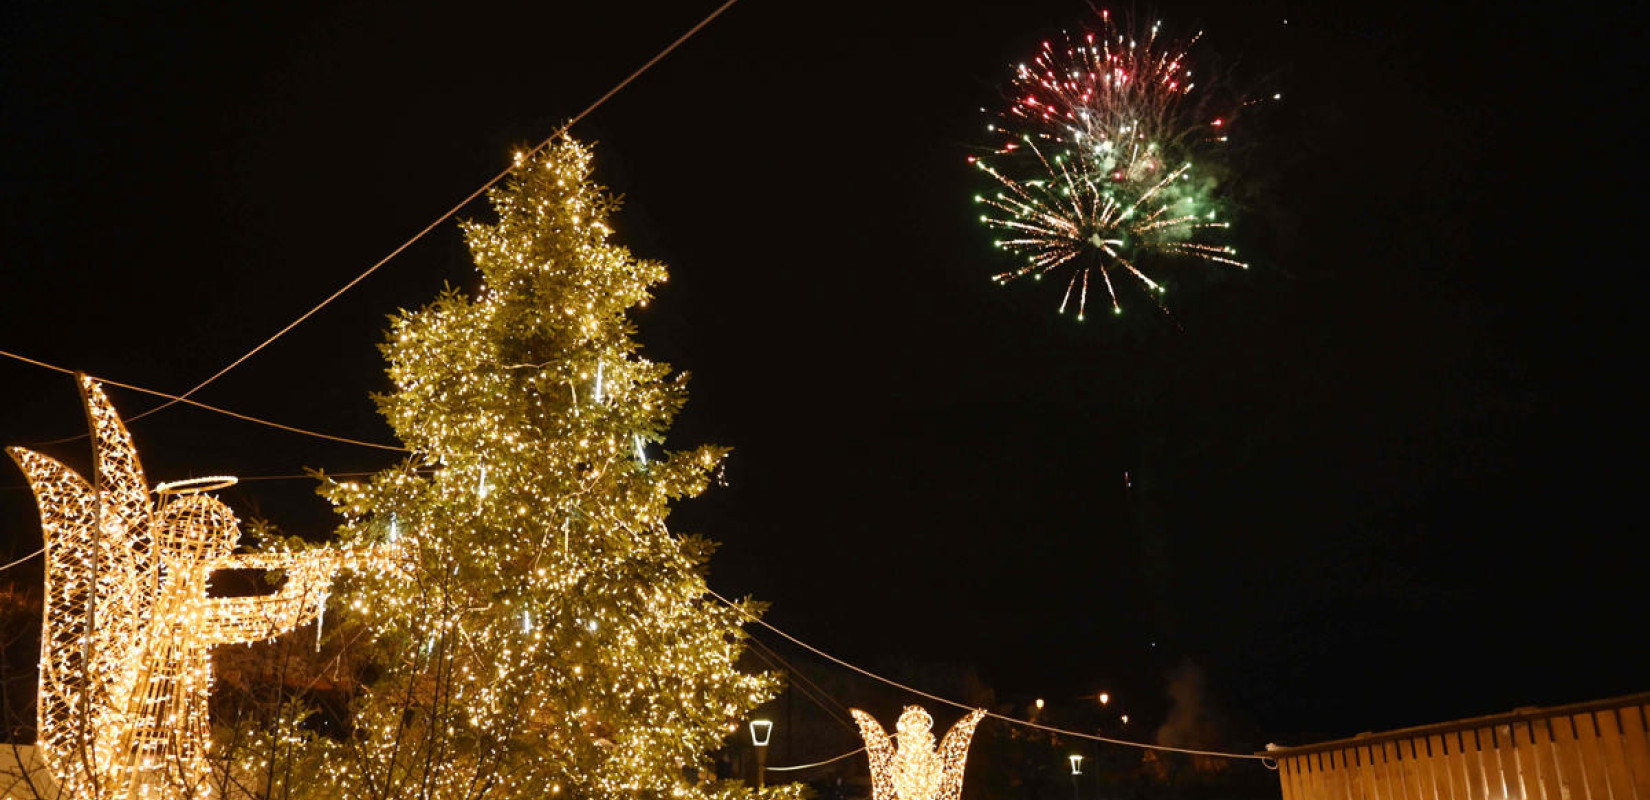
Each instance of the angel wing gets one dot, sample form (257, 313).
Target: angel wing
(68, 513)
(954, 754)
(128, 572)
(879, 750)
(119, 475)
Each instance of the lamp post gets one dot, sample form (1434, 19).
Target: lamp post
(761, 732)
(1076, 769)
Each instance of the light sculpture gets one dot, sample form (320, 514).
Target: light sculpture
(125, 669)
(912, 768)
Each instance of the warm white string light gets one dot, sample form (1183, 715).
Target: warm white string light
(907, 766)
(125, 672)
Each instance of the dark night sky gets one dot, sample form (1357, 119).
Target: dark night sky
(1386, 477)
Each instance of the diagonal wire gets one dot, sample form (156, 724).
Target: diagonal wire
(23, 559)
(197, 404)
(947, 701)
(816, 763)
(805, 687)
(450, 212)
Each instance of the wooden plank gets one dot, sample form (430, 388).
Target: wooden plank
(1324, 776)
(1341, 772)
(1529, 765)
(1366, 774)
(1286, 778)
(1392, 773)
(1350, 789)
(1346, 764)
(1592, 757)
(1477, 783)
(1568, 750)
(1416, 769)
(1541, 738)
(1310, 777)
(1438, 764)
(1427, 762)
(1615, 754)
(1637, 745)
(1456, 759)
(1301, 767)
(1319, 789)
(1495, 772)
(1513, 762)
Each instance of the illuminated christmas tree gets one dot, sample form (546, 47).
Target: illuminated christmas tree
(550, 636)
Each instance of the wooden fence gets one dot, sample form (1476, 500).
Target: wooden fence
(1587, 751)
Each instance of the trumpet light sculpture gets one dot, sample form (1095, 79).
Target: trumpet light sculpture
(911, 768)
(125, 670)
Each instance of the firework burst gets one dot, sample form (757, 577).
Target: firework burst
(1094, 163)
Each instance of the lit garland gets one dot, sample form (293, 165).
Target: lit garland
(913, 769)
(125, 672)
(551, 637)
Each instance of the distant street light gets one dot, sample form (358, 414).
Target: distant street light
(761, 732)
(1104, 698)
(1125, 719)
(1039, 704)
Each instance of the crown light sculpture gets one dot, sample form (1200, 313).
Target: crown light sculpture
(125, 670)
(913, 769)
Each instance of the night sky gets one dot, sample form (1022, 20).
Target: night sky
(1388, 476)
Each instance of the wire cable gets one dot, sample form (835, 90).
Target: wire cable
(23, 559)
(816, 763)
(450, 212)
(197, 404)
(936, 698)
(801, 685)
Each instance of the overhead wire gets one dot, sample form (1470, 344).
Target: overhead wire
(449, 213)
(807, 688)
(816, 763)
(26, 558)
(22, 560)
(947, 701)
(197, 404)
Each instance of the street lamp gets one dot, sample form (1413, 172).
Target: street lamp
(1104, 698)
(1125, 719)
(761, 732)
(1076, 769)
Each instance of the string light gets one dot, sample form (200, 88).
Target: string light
(552, 635)
(912, 768)
(125, 672)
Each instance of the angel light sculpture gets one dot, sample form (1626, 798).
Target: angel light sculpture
(125, 668)
(913, 769)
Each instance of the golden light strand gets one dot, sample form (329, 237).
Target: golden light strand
(912, 768)
(125, 672)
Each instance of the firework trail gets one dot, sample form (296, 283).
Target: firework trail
(1094, 163)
